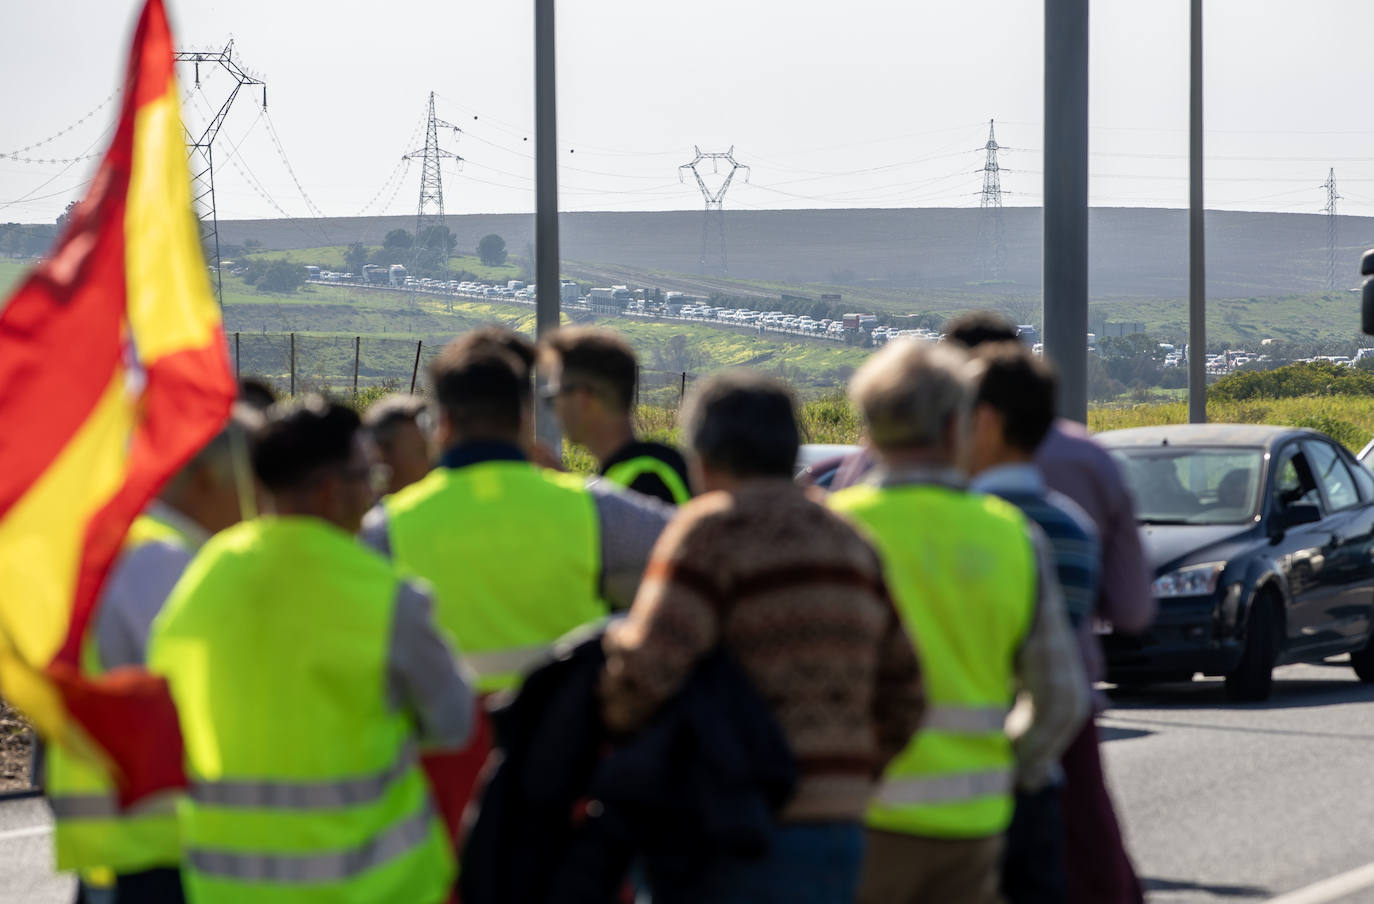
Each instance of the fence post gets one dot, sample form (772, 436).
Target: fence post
(293, 364)
(357, 351)
(419, 344)
(236, 356)
(683, 394)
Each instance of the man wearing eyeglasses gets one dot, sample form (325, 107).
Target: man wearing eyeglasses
(593, 375)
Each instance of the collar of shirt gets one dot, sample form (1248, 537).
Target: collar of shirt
(942, 477)
(1014, 478)
(479, 451)
(183, 524)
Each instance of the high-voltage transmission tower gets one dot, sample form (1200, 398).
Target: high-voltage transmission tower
(200, 149)
(992, 239)
(430, 212)
(714, 220)
(1330, 210)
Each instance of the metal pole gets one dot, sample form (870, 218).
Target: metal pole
(415, 372)
(1065, 285)
(293, 364)
(546, 207)
(236, 357)
(1197, 260)
(682, 394)
(357, 352)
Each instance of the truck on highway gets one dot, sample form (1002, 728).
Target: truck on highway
(397, 275)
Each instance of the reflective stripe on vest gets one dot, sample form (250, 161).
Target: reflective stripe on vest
(90, 829)
(513, 553)
(305, 784)
(901, 792)
(961, 570)
(332, 867)
(326, 795)
(627, 472)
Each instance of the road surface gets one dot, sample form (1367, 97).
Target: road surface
(1221, 802)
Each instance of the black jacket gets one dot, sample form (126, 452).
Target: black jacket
(567, 809)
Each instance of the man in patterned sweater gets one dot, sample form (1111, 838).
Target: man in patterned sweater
(797, 596)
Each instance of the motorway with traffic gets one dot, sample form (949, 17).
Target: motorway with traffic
(1222, 802)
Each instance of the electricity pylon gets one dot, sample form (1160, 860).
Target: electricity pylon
(429, 214)
(201, 149)
(1330, 210)
(992, 239)
(714, 218)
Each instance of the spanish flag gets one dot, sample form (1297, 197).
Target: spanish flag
(113, 372)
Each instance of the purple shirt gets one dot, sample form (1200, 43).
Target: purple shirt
(1081, 469)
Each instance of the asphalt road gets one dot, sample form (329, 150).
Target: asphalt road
(1248, 802)
(1221, 802)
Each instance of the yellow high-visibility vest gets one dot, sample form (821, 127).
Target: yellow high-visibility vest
(628, 471)
(305, 776)
(91, 833)
(961, 569)
(513, 553)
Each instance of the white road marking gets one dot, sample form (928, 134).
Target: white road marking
(25, 833)
(1332, 889)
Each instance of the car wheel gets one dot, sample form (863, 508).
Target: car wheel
(1362, 661)
(1253, 677)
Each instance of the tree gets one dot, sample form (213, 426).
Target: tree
(251, 245)
(492, 250)
(354, 257)
(282, 276)
(66, 217)
(398, 240)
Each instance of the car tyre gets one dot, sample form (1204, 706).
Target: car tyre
(1252, 679)
(1362, 661)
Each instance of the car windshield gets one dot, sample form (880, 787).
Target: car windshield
(1192, 485)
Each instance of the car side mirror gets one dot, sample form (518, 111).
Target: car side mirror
(1294, 515)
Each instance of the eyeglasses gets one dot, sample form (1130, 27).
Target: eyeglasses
(549, 393)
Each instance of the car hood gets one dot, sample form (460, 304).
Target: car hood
(1169, 545)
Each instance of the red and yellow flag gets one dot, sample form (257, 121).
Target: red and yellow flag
(113, 372)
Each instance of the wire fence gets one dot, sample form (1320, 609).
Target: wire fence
(344, 366)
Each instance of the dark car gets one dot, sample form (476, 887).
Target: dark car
(1262, 545)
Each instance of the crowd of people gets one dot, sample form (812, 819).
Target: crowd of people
(687, 678)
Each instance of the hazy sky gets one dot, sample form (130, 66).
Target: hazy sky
(866, 103)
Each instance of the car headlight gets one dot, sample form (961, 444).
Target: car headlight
(1195, 580)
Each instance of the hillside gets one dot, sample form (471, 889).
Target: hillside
(1134, 252)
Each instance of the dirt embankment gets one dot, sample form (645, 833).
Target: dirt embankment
(16, 748)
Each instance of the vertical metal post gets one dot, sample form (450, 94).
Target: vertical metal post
(546, 206)
(236, 356)
(415, 372)
(682, 395)
(1065, 252)
(357, 353)
(1197, 260)
(293, 364)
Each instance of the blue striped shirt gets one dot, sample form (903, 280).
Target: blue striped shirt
(1071, 533)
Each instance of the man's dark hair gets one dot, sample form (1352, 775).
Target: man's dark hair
(1021, 388)
(256, 393)
(599, 359)
(743, 423)
(972, 330)
(502, 339)
(385, 415)
(481, 389)
(301, 439)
